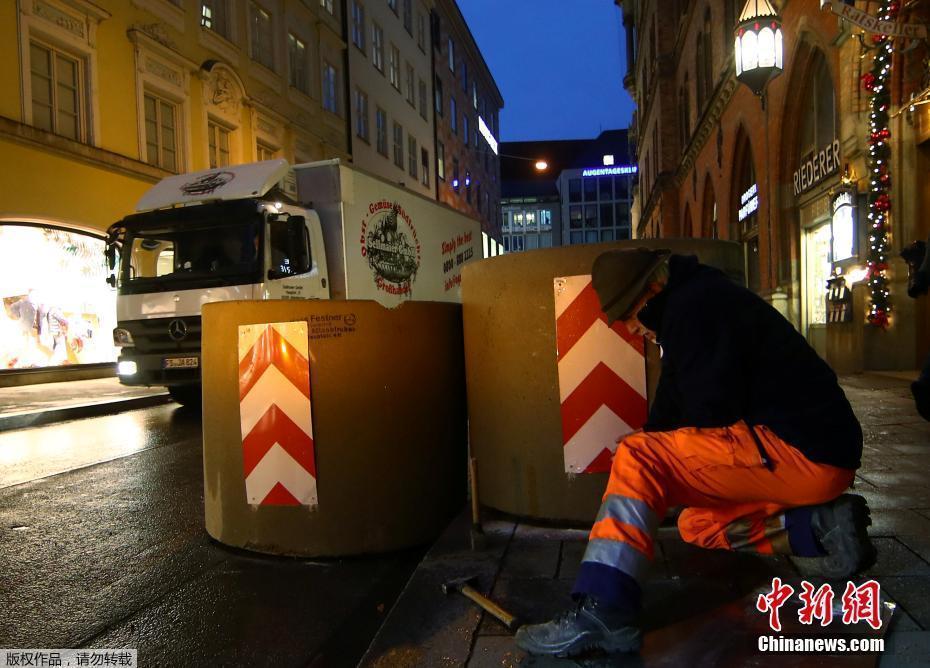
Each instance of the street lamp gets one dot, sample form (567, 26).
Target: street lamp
(541, 165)
(759, 48)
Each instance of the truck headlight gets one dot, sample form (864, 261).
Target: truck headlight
(122, 337)
(126, 368)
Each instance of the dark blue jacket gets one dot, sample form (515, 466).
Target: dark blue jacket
(729, 356)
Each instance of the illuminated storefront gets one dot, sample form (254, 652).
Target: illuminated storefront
(57, 307)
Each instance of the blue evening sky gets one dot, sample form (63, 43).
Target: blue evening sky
(558, 64)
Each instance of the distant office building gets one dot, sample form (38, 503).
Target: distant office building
(582, 195)
(467, 104)
(390, 73)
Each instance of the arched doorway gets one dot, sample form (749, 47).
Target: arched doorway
(813, 168)
(709, 228)
(744, 223)
(686, 229)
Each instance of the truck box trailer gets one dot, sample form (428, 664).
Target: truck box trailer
(267, 230)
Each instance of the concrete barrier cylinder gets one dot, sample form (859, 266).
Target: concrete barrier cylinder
(512, 374)
(388, 405)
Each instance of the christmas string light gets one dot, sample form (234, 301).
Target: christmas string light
(876, 83)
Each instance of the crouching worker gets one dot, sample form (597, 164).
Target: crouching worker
(748, 430)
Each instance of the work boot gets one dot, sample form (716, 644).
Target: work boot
(589, 625)
(840, 527)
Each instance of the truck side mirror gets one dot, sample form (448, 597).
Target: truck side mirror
(111, 280)
(110, 254)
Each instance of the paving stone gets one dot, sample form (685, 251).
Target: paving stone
(919, 544)
(893, 497)
(894, 559)
(910, 449)
(912, 594)
(531, 600)
(572, 553)
(529, 531)
(906, 649)
(895, 478)
(893, 521)
(531, 558)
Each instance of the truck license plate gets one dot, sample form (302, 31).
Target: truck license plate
(180, 362)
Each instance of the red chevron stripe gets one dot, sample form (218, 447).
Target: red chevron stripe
(602, 387)
(279, 496)
(272, 348)
(601, 463)
(577, 319)
(276, 427)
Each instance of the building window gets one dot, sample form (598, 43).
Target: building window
(398, 145)
(574, 217)
(394, 67)
(590, 190)
(441, 160)
(214, 15)
(377, 47)
(451, 56)
(424, 164)
(57, 92)
(264, 152)
(361, 115)
(421, 31)
(455, 174)
(327, 5)
(381, 129)
(474, 94)
(423, 98)
(408, 16)
(358, 24)
(574, 190)
(297, 58)
(465, 77)
(161, 132)
(262, 45)
(411, 91)
(438, 96)
(466, 135)
(393, 5)
(330, 100)
(453, 115)
(412, 156)
(218, 138)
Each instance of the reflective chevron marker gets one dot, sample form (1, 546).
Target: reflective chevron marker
(274, 415)
(602, 378)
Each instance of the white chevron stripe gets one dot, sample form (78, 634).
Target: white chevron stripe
(294, 332)
(567, 289)
(602, 430)
(601, 344)
(274, 388)
(278, 466)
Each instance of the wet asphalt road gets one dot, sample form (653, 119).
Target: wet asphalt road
(102, 545)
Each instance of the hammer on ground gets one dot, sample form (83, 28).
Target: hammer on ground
(465, 588)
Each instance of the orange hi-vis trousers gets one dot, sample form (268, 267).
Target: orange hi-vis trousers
(733, 500)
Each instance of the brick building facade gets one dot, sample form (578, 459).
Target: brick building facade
(467, 104)
(714, 162)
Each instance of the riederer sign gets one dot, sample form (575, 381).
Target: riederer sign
(816, 167)
(389, 242)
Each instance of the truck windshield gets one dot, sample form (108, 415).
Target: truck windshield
(193, 255)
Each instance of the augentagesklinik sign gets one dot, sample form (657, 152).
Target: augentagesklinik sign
(821, 164)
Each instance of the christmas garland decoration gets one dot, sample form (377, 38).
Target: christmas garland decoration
(876, 83)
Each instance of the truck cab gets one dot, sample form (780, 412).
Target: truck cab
(222, 234)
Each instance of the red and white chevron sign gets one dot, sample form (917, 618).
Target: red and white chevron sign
(274, 415)
(602, 378)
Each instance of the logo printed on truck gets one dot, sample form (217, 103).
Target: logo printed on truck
(390, 244)
(207, 183)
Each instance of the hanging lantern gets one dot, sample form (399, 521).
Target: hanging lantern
(759, 48)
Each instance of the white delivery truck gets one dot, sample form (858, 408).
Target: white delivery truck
(267, 230)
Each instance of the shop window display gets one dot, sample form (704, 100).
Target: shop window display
(57, 308)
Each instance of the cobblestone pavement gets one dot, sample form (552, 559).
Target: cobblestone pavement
(699, 604)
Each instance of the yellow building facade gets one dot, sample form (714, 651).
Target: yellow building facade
(102, 99)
